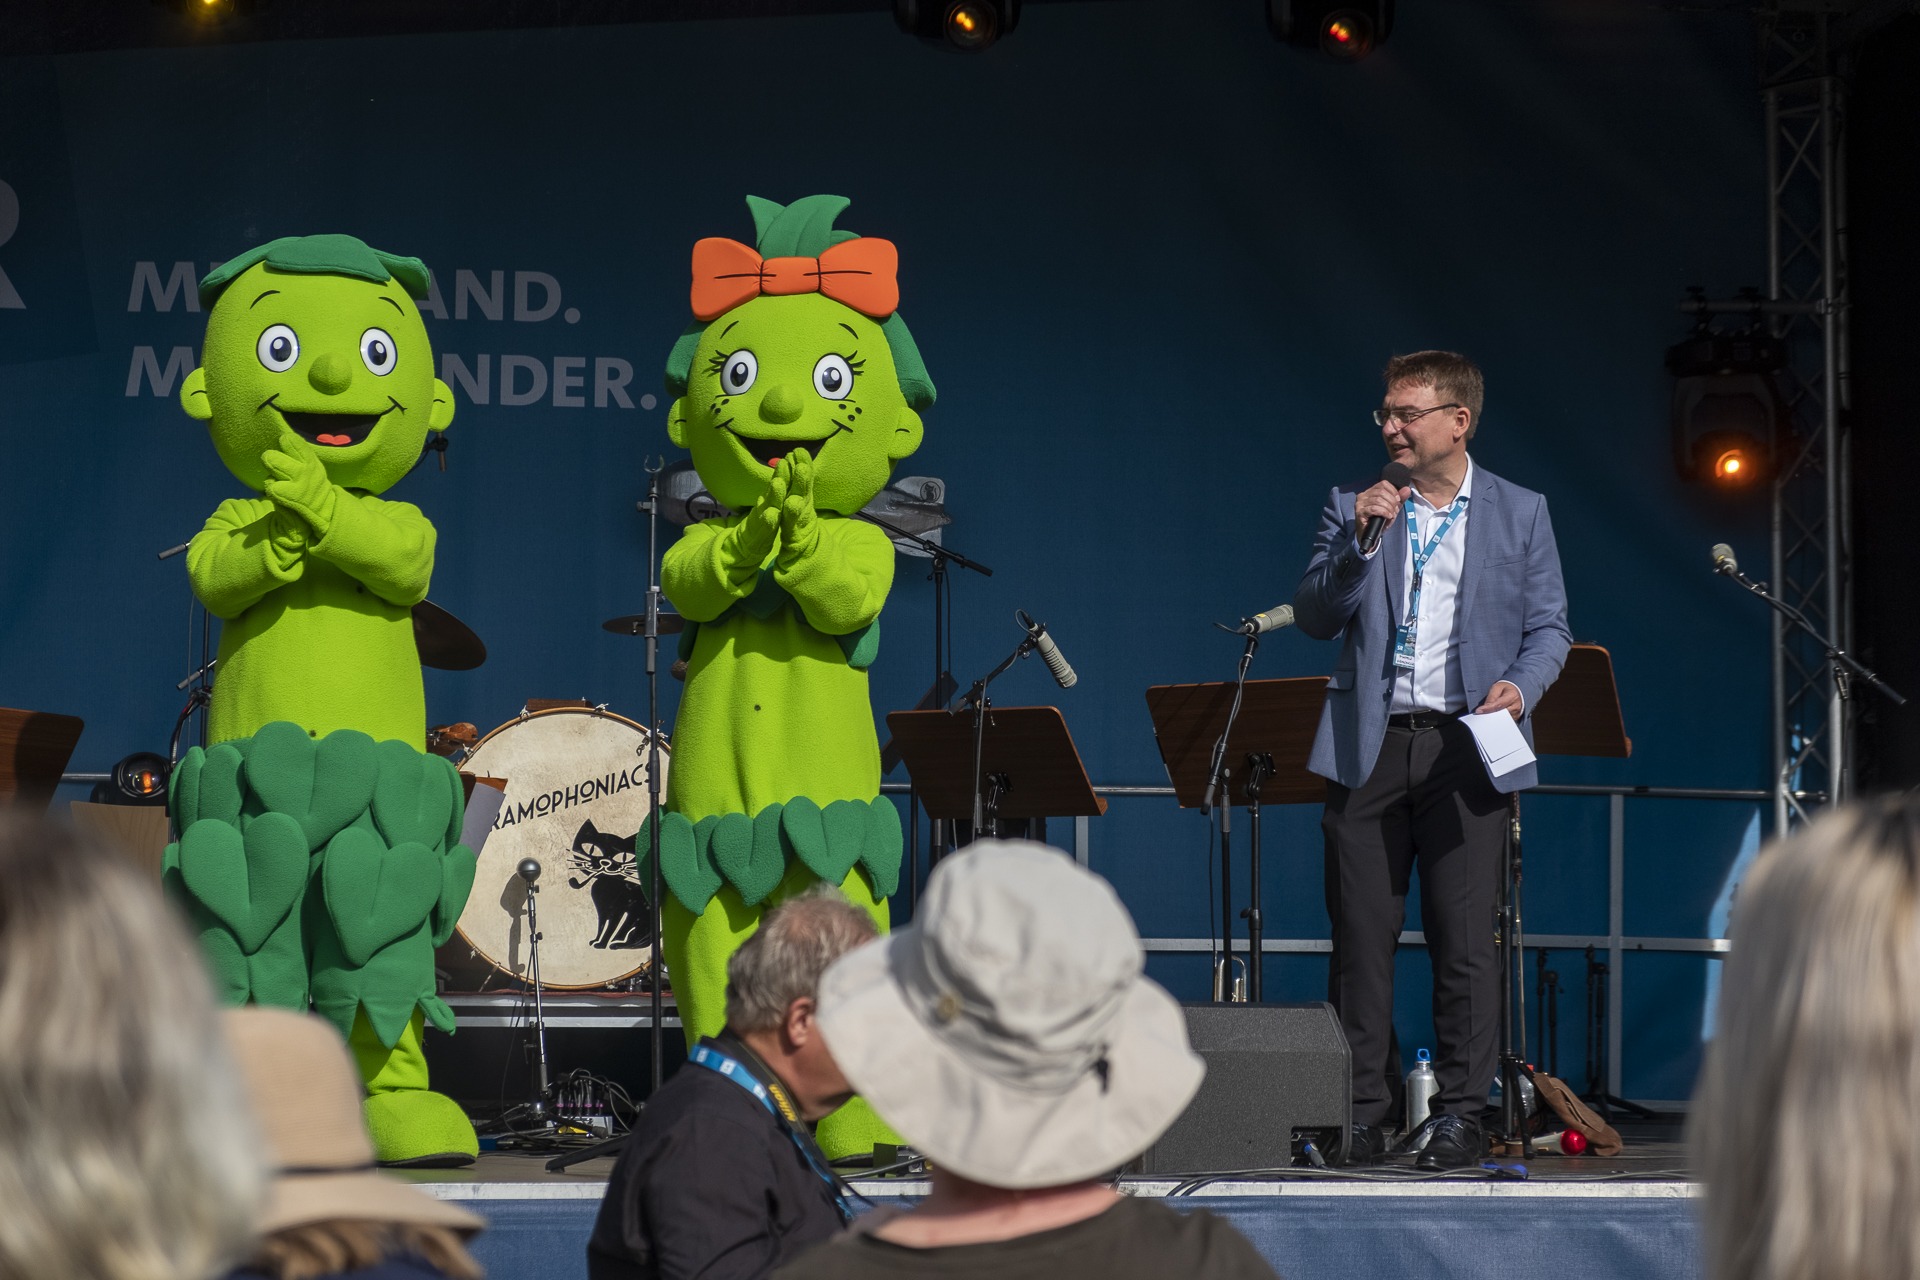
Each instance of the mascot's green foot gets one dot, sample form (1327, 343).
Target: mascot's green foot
(420, 1129)
(854, 1130)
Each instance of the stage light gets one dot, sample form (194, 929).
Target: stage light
(141, 778)
(967, 26)
(1726, 408)
(1346, 30)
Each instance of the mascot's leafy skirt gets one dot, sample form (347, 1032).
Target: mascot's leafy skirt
(326, 872)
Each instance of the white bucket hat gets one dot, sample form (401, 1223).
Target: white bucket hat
(1008, 1032)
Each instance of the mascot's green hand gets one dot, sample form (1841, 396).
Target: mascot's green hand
(799, 522)
(288, 533)
(298, 483)
(753, 538)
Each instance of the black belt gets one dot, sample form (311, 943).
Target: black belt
(1422, 719)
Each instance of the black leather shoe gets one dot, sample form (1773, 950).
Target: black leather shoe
(1455, 1143)
(1366, 1143)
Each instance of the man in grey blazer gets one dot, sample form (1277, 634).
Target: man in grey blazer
(1458, 609)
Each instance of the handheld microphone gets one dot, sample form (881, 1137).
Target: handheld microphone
(1723, 561)
(1281, 615)
(1063, 674)
(1397, 475)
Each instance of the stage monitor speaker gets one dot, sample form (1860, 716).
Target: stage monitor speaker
(1277, 1074)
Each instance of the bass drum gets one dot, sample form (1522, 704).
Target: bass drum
(576, 795)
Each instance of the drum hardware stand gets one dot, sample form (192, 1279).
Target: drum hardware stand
(202, 678)
(1220, 789)
(657, 1016)
(197, 697)
(937, 837)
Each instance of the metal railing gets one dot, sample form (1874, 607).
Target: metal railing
(1616, 941)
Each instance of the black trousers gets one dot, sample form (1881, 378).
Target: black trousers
(1428, 803)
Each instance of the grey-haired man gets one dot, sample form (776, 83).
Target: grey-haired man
(721, 1178)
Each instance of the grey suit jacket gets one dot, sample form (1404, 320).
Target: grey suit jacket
(1510, 619)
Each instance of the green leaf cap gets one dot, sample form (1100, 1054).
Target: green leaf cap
(328, 255)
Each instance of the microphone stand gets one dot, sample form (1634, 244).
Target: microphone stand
(612, 1146)
(976, 699)
(941, 556)
(1840, 663)
(1219, 777)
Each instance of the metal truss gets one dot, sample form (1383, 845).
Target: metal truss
(1801, 42)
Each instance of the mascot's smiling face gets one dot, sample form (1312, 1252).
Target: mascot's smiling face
(343, 360)
(803, 371)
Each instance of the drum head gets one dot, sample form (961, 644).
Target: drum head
(576, 795)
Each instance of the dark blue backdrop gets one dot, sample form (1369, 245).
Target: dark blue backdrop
(1154, 259)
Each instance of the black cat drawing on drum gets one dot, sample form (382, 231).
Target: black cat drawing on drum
(608, 870)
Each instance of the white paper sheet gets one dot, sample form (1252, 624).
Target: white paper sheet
(482, 808)
(1498, 737)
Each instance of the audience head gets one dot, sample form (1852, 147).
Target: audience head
(124, 1154)
(1009, 1032)
(329, 1210)
(772, 981)
(1811, 1086)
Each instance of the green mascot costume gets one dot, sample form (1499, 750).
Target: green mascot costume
(319, 851)
(797, 389)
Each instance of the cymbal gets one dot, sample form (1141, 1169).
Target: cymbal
(635, 624)
(445, 642)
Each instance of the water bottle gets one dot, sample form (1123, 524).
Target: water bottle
(1421, 1086)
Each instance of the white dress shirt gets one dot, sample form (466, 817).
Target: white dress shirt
(1435, 683)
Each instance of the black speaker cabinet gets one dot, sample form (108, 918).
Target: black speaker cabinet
(1277, 1074)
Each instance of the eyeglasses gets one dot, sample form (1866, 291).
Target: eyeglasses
(1406, 417)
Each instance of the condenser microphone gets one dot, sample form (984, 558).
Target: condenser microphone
(1397, 475)
(1056, 661)
(1723, 561)
(528, 870)
(1281, 615)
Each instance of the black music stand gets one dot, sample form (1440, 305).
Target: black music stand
(1265, 762)
(1029, 768)
(34, 749)
(1579, 715)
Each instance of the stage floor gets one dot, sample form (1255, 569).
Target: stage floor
(1576, 1218)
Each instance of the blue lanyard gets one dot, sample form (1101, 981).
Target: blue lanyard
(731, 1068)
(1421, 555)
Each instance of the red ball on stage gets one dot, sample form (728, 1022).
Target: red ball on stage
(1573, 1142)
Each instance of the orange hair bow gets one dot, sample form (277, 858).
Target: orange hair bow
(862, 274)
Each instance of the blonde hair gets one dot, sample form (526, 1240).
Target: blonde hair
(315, 1249)
(1811, 1088)
(126, 1150)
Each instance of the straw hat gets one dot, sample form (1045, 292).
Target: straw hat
(306, 1097)
(1008, 1032)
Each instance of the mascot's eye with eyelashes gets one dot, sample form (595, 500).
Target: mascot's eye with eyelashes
(833, 377)
(738, 371)
(279, 348)
(377, 352)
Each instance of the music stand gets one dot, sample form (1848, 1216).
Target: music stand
(34, 749)
(1265, 761)
(1028, 765)
(1579, 715)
